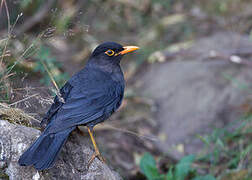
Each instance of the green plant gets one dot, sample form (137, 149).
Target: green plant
(180, 171)
(45, 60)
(227, 154)
(230, 149)
(149, 168)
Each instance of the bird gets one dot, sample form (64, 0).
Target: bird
(89, 97)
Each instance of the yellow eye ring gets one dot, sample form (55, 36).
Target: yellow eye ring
(110, 52)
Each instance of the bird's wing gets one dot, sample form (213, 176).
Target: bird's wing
(57, 103)
(94, 97)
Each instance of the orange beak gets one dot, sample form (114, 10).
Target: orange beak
(128, 49)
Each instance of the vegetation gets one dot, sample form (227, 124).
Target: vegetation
(47, 64)
(227, 156)
(180, 171)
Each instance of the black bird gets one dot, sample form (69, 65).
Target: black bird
(88, 98)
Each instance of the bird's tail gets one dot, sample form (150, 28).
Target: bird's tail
(43, 152)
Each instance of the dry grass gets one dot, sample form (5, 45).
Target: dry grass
(16, 116)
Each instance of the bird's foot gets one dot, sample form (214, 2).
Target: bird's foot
(94, 155)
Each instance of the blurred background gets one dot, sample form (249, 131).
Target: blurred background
(188, 102)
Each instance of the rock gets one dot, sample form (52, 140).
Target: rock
(71, 164)
(195, 93)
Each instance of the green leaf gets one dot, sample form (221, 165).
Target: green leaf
(220, 143)
(148, 167)
(183, 168)
(203, 139)
(207, 177)
(43, 53)
(170, 175)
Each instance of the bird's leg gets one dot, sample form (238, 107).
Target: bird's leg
(97, 152)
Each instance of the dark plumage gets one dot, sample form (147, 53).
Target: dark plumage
(88, 98)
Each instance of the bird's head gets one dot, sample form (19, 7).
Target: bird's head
(111, 52)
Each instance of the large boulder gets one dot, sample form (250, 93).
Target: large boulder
(198, 90)
(72, 162)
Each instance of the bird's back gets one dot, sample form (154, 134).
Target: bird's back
(92, 95)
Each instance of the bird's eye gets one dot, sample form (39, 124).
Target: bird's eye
(110, 52)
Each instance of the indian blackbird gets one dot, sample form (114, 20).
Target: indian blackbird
(88, 98)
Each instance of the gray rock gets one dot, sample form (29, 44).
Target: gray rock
(72, 162)
(195, 93)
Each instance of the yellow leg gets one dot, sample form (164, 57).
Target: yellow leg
(97, 152)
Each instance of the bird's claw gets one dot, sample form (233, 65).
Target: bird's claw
(94, 155)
